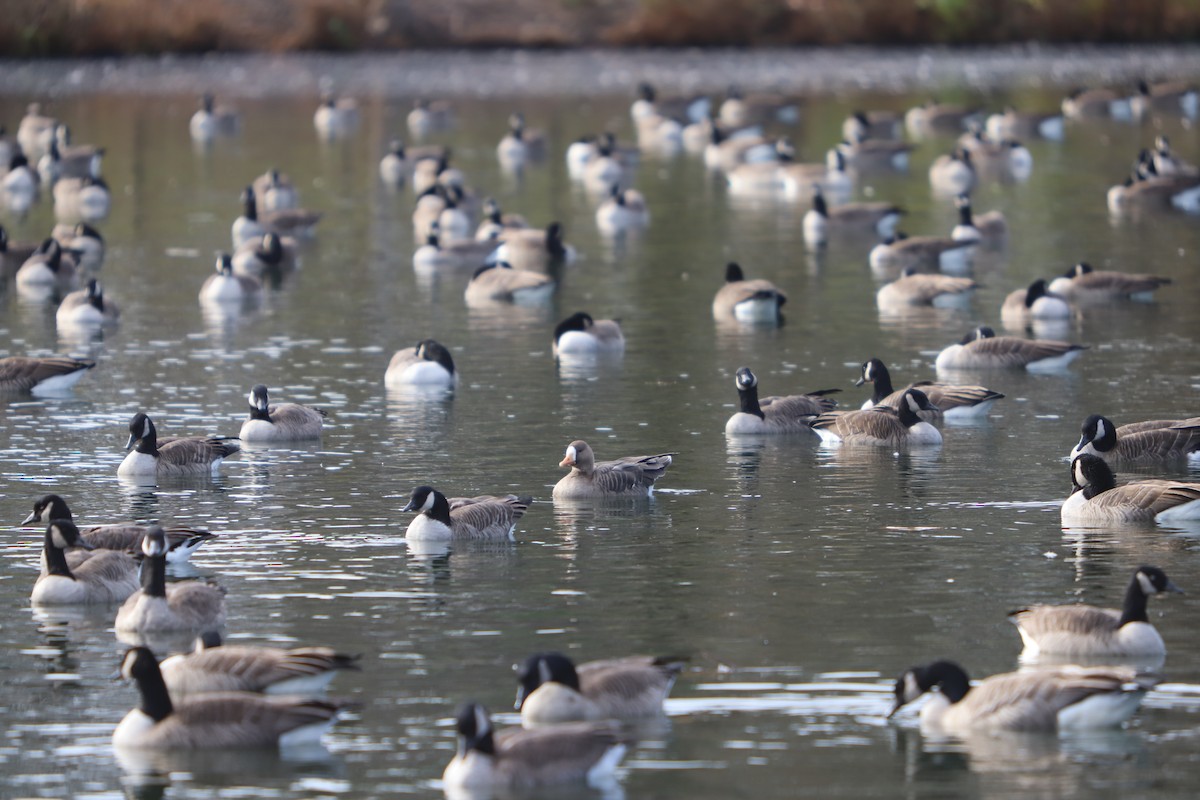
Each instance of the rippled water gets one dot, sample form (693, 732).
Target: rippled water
(799, 580)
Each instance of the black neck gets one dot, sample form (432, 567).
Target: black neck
(964, 216)
(1134, 608)
(154, 576)
(883, 383)
(156, 701)
(440, 510)
(907, 416)
(819, 205)
(56, 558)
(250, 208)
(953, 682)
(260, 413)
(148, 444)
(749, 398)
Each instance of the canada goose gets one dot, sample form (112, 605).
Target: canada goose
(660, 134)
(428, 116)
(521, 759)
(1155, 193)
(756, 300)
(871, 125)
(1035, 303)
(1045, 700)
(106, 577)
(1140, 442)
(802, 180)
(822, 223)
(86, 199)
(76, 160)
(983, 349)
(579, 154)
(623, 210)
(579, 334)
(1005, 159)
(953, 401)
(534, 249)
(336, 117)
(1013, 124)
(1084, 284)
(426, 364)
(1178, 97)
(931, 118)
(725, 152)
(762, 176)
(49, 166)
(19, 185)
(499, 282)
(953, 174)
(775, 415)
(914, 288)
(433, 170)
(427, 212)
(1092, 103)
(649, 103)
(881, 426)
(274, 191)
(437, 254)
(871, 155)
(182, 456)
(283, 422)
(551, 689)
(36, 131)
(87, 307)
(990, 229)
(902, 252)
(126, 536)
(590, 479)
(740, 109)
(215, 720)
(496, 223)
(1166, 162)
(603, 169)
(271, 256)
(212, 120)
(1076, 631)
(14, 254)
(253, 224)
(520, 143)
(226, 287)
(50, 266)
(46, 375)
(83, 242)
(1095, 497)
(393, 167)
(217, 667)
(158, 606)
(486, 517)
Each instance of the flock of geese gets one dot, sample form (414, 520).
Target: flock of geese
(225, 696)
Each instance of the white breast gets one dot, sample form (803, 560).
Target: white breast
(473, 770)
(744, 424)
(424, 373)
(425, 527)
(138, 464)
(924, 433)
(130, 731)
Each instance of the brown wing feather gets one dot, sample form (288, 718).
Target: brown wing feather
(1038, 621)
(487, 515)
(1013, 352)
(22, 373)
(228, 719)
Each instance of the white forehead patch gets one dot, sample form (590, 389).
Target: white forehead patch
(571, 453)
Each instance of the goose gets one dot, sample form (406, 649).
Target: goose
(19, 185)
(87, 307)
(913, 288)
(36, 130)
(1173, 96)
(1013, 124)
(1035, 303)
(661, 134)
(50, 266)
(953, 174)
(725, 152)
(87, 199)
(49, 166)
(590, 479)
(953, 401)
(798, 180)
(487, 517)
(1166, 162)
(499, 282)
(534, 249)
(76, 160)
(871, 155)
(433, 170)
(1155, 193)
(1082, 631)
(217, 667)
(14, 254)
(158, 606)
(212, 120)
(579, 154)
(623, 210)
(335, 117)
(426, 364)
(428, 116)
(393, 167)
(1082, 283)
(253, 224)
(1044, 700)
(283, 422)
(427, 212)
(756, 300)
(105, 577)
(215, 720)
(272, 255)
(1096, 498)
(852, 219)
(226, 287)
(579, 334)
(758, 177)
(8, 145)
(871, 125)
(274, 191)
(602, 169)
(931, 118)
(983, 349)
(83, 242)
(125, 536)
(1002, 158)
(990, 229)
(739, 109)
(439, 254)
(551, 689)
(881, 427)
(520, 143)
(520, 759)
(183, 456)
(496, 223)
(1092, 103)
(775, 415)
(45, 375)
(902, 252)
(649, 104)
(1140, 442)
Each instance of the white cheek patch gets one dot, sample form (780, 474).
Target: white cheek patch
(1100, 430)
(1080, 478)
(869, 373)
(482, 723)
(60, 541)
(251, 399)
(912, 690)
(913, 405)
(428, 505)
(1147, 585)
(153, 546)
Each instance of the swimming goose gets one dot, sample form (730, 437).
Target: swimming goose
(590, 479)
(694, 108)
(487, 517)
(49, 166)
(881, 426)
(14, 254)
(283, 422)
(83, 242)
(274, 191)
(953, 401)
(1005, 159)
(756, 300)
(518, 759)
(1076, 631)
(725, 152)
(623, 210)
(217, 667)
(105, 577)
(740, 109)
(49, 267)
(182, 456)
(871, 125)
(1092, 103)
(1147, 191)
(1034, 303)
(87, 307)
(41, 375)
(579, 334)
(226, 287)
(36, 131)
(983, 349)
(851, 219)
(870, 155)
(931, 117)
(1044, 700)
(534, 249)
(253, 224)
(1084, 284)
(426, 364)
(953, 174)
(19, 186)
(158, 606)
(520, 143)
(1096, 498)
(1166, 162)
(1178, 97)
(603, 169)
(125, 536)
(551, 689)
(439, 253)
(1013, 124)
(902, 252)
(212, 120)
(428, 116)
(271, 256)
(215, 720)
(499, 282)
(393, 167)
(775, 415)
(87, 199)
(76, 160)
(1139, 442)
(914, 288)
(990, 229)
(432, 168)
(335, 117)
(496, 223)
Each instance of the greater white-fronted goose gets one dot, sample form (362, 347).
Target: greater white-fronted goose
(882, 426)
(487, 517)
(551, 689)
(624, 477)
(282, 422)
(1096, 498)
(792, 414)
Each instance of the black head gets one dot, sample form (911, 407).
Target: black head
(982, 332)
(1036, 290)
(421, 499)
(3, 240)
(1143, 87)
(544, 668)
(432, 350)
(579, 321)
(916, 681)
(88, 232)
(745, 379)
(1152, 580)
(50, 507)
(95, 293)
(474, 728)
(17, 161)
(1091, 475)
(138, 664)
(861, 116)
(912, 403)
(154, 543)
(258, 399)
(818, 201)
(872, 370)
(206, 102)
(141, 428)
(1100, 432)
(224, 264)
(646, 92)
(733, 272)
(1082, 268)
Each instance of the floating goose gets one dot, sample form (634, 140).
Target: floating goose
(1086, 285)
(36, 131)
(1013, 124)
(158, 607)
(87, 307)
(775, 415)
(212, 120)
(105, 577)
(83, 242)
(428, 116)
(500, 283)
(953, 401)
(487, 517)
(983, 349)
(274, 191)
(851, 219)
(551, 689)
(1139, 442)
(931, 118)
(1095, 497)
(520, 143)
(579, 334)
(47, 375)
(176, 457)
(590, 479)
(336, 117)
(648, 103)
(125, 536)
(496, 223)
(953, 174)
(427, 364)
(903, 252)
(534, 249)
(1034, 303)
(914, 288)
(1092, 103)
(870, 155)
(881, 427)
(270, 256)
(756, 300)
(990, 229)
(623, 210)
(1176, 97)
(47, 268)
(226, 287)
(740, 109)
(283, 422)
(871, 125)
(87, 199)
(217, 667)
